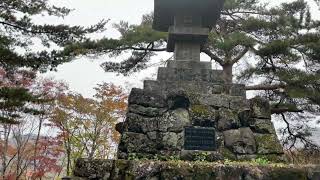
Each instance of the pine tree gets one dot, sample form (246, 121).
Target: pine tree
(280, 45)
(17, 31)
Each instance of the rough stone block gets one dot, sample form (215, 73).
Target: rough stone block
(174, 121)
(260, 108)
(220, 101)
(139, 124)
(146, 98)
(94, 169)
(268, 144)
(264, 126)
(172, 74)
(171, 141)
(228, 119)
(210, 156)
(203, 116)
(199, 87)
(189, 64)
(240, 141)
(146, 111)
(137, 143)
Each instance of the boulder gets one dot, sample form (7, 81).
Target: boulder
(170, 141)
(240, 141)
(228, 119)
(140, 124)
(264, 126)
(268, 144)
(146, 111)
(146, 98)
(203, 116)
(136, 142)
(260, 108)
(174, 121)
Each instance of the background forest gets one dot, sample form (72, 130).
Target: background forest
(44, 126)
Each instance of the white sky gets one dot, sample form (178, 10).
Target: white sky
(83, 74)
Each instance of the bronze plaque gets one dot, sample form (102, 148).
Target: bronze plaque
(196, 138)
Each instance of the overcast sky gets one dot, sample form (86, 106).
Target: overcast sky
(83, 74)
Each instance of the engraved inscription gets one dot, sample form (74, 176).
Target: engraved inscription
(200, 139)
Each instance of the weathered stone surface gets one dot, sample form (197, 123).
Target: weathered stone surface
(121, 127)
(210, 156)
(268, 144)
(171, 74)
(189, 64)
(240, 141)
(146, 98)
(141, 124)
(260, 108)
(93, 169)
(219, 101)
(136, 142)
(146, 111)
(192, 87)
(245, 117)
(170, 141)
(203, 116)
(174, 121)
(154, 170)
(228, 119)
(264, 126)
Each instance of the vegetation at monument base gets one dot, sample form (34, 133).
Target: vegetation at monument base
(277, 46)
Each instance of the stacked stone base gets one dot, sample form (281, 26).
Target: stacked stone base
(195, 96)
(159, 170)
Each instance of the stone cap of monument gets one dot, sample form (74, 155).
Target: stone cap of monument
(193, 34)
(165, 10)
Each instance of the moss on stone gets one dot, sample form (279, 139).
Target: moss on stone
(201, 110)
(268, 144)
(274, 158)
(227, 154)
(285, 174)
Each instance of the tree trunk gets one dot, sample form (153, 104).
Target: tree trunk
(227, 76)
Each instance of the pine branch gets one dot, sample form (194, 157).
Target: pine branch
(285, 110)
(265, 87)
(139, 49)
(213, 56)
(235, 60)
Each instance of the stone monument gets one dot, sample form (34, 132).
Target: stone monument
(186, 112)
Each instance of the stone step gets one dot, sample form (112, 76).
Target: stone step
(164, 87)
(176, 74)
(185, 64)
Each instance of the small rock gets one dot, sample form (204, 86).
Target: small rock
(240, 141)
(268, 144)
(260, 108)
(146, 98)
(228, 119)
(264, 126)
